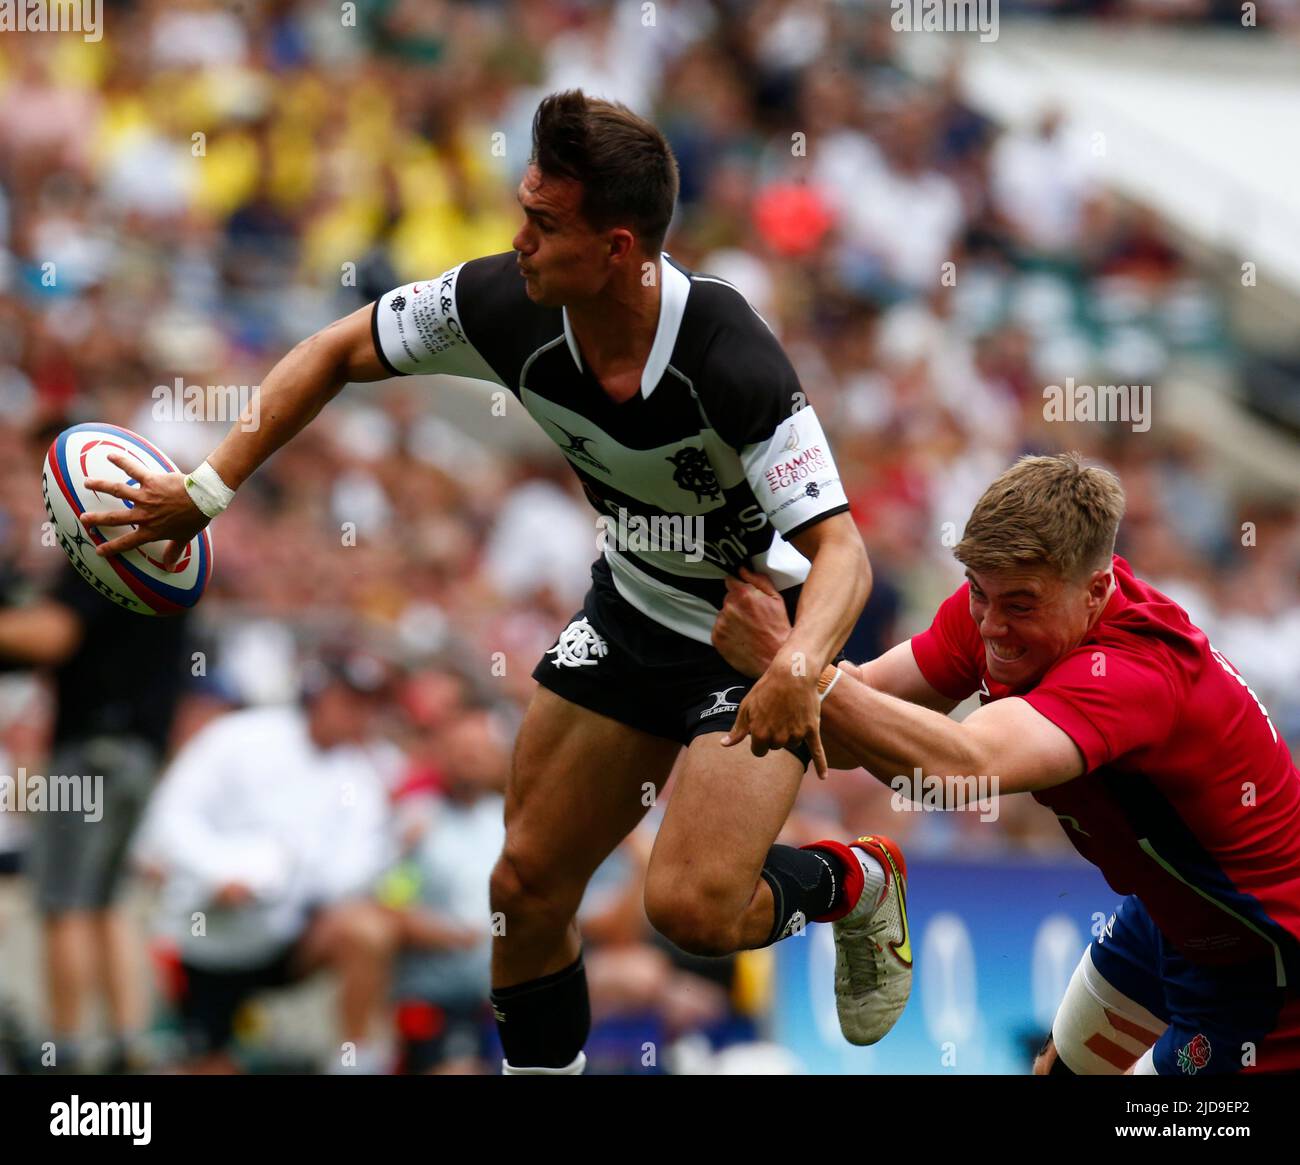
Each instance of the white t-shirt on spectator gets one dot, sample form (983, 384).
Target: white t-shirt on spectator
(1040, 184)
(251, 799)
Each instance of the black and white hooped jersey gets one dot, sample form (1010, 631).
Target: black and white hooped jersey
(712, 466)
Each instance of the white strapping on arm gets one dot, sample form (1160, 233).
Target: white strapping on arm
(208, 491)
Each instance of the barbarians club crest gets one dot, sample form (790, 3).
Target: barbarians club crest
(694, 473)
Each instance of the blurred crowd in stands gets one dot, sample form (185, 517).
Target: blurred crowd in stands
(184, 201)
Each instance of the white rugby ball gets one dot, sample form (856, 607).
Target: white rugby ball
(136, 580)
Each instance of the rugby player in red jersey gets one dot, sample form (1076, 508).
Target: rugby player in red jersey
(1103, 700)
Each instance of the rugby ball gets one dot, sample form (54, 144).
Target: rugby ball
(136, 580)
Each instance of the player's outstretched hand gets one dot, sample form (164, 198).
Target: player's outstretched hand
(161, 510)
(752, 625)
(781, 709)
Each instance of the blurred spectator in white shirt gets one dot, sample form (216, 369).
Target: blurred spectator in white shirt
(1040, 184)
(269, 830)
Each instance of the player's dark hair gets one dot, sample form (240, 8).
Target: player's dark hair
(626, 167)
(1045, 511)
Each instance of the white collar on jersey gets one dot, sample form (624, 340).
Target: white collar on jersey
(672, 306)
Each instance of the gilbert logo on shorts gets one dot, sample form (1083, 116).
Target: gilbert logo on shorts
(721, 703)
(578, 646)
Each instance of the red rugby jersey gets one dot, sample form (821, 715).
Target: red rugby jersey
(1190, 799)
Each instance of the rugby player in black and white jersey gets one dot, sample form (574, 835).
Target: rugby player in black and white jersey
(671, 399)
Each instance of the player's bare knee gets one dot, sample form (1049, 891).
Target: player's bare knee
(692, 921)
(509, 883)
(698, 934)
(522, 889)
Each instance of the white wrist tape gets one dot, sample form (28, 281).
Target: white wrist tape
(208, 491)
(835, 679)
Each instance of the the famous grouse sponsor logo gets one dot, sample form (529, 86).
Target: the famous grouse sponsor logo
(693, 472)
(803, 465)
(577, 448)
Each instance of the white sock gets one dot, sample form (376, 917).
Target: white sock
(873, 875)
(574, 1069)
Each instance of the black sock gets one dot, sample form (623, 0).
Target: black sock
(806, 883)
(544, 1023)
(839, 875)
